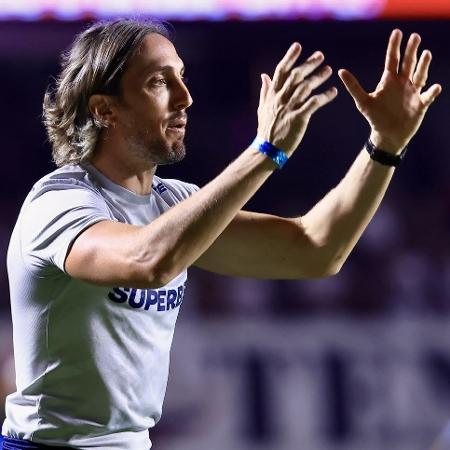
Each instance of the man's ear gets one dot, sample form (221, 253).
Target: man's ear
(101, 108)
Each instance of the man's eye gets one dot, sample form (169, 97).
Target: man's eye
(160, 82)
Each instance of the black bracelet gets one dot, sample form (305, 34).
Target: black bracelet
(383, 157)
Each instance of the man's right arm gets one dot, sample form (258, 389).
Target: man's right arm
(110, 253)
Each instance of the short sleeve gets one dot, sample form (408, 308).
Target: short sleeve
(179, 189)
(52, 221)
(190, 188)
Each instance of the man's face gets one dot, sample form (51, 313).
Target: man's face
(151, 111)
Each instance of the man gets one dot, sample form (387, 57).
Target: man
(97, 261)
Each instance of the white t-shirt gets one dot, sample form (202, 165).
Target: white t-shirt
(91, 362)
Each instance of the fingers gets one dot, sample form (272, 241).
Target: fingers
(410, 57)
(393, 51)
(304, 89)
(285, 65)
(421, 74)
(431, 94)
(298, 74)
(353, 87)
(317, 101)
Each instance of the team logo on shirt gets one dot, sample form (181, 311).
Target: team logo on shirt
(160, 188)
(149, 299)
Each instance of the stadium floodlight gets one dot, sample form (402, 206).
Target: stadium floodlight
(222, 9)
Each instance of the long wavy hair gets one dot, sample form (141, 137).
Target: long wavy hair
(94, 64)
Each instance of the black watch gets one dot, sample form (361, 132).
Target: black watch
(382, 156)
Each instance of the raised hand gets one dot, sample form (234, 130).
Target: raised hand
(397, 107)
(286, 103)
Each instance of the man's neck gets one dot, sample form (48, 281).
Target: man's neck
(125, 171)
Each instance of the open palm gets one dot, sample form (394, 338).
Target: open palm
(396, 108)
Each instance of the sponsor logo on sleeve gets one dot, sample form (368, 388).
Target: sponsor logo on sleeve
(159, 300)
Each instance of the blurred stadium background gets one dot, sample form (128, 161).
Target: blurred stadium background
(360, 361)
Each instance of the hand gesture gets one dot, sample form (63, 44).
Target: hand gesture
(286, 103)
(397, 107)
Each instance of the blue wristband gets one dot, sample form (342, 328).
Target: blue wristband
(275, 154)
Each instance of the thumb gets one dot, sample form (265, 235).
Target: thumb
(265, 85)
(430, 94)
(352, 85)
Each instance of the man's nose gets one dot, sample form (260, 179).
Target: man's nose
(183, 97)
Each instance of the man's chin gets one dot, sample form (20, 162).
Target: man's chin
(159, 151)
(175, 153)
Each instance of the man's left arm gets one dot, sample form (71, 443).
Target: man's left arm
(318, 243)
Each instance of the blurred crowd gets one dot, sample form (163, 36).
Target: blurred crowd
(401, 266)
